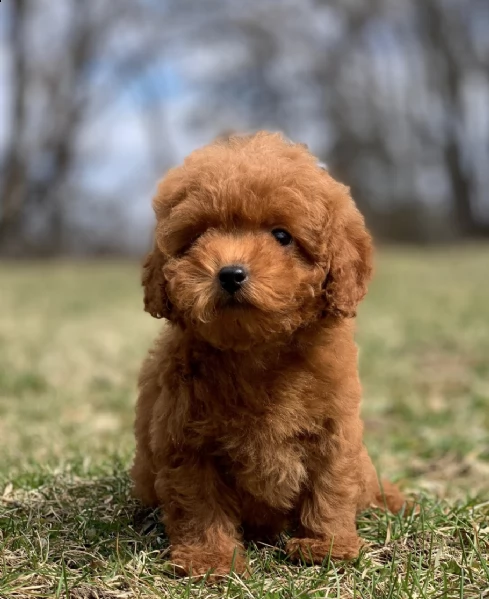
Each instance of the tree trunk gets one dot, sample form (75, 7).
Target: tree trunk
(14, 190)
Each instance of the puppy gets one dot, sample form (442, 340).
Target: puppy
(248, 417)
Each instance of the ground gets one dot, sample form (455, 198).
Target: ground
(72, 336)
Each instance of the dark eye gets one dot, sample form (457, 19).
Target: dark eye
(282, 236)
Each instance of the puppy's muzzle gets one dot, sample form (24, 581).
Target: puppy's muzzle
(232, 278)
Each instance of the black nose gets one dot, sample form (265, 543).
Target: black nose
(232, 278)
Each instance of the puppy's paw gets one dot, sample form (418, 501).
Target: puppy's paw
(315, 551)
(199, 560)
(390, 497)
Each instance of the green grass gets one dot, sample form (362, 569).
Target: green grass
(72, 336)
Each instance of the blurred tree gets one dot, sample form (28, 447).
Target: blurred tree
(393, 96)
(391, 89)
(450, 50)
(394, 88)
(58, 51)
(13, 190)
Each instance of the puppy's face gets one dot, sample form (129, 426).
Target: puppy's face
(253, 241)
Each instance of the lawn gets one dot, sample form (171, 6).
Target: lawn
(72, 336)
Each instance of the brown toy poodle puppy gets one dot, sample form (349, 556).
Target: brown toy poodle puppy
(248, 418)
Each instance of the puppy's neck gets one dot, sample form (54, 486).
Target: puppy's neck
(266, 355)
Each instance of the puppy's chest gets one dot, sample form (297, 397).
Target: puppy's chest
(277, 404)
(262, 427)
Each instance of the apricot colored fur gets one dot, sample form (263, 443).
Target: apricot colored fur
(248, 418)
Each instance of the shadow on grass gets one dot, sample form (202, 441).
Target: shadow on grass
(79, 522)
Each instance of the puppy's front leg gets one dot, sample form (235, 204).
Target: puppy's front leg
(201, 516)
(327, 512)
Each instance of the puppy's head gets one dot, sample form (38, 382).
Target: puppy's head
(253, 241)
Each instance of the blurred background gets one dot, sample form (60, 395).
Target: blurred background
(99, 98)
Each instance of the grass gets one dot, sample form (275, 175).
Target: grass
(72, 336)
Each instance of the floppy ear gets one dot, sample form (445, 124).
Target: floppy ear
(351, 264)
(155, 299)
(170, 190)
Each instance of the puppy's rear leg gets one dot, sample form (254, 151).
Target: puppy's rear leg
(143, 477)
(390, 496)
(384, 496)
(143, 470)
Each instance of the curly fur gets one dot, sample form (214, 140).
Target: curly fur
(248, 418)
